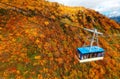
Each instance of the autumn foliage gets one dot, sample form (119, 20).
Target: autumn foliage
(38, 40)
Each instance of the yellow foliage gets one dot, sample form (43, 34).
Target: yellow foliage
(30, 7)
(40, 76)
(46, 23)
(102, 71)
(37, 41)
(53, 17)
(37, 57)
(42, 35)
(18, 72)
(1, 37)
(36, 63)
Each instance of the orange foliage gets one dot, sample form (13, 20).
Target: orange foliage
(38, 39)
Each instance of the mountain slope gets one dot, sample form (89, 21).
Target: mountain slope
(38, 39)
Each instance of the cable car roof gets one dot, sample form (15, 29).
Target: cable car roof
(88, 49)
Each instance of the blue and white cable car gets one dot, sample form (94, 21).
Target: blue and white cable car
(91, 53)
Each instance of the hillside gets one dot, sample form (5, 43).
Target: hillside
(38, 40)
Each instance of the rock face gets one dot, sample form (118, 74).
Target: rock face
(38, 39)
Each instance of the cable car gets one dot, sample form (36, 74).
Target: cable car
(91, 52)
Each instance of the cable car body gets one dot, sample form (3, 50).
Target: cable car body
(91, 53)
(87, 54)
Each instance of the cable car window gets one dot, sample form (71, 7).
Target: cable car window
(100, 54)
(91, 55)
(95, 54)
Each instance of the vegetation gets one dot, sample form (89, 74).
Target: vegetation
(38, 40)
